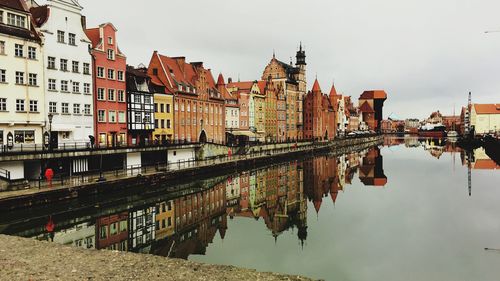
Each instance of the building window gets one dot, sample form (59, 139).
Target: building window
(86, 68)
(72, 39)
(76, 87)
(24, 136)
(33, 106)
(100, 94)
(86, 88)
(137, 98)
(110, 40)
(65, 108)
(19, 105)
(168, 108)
(76, 67)
(3, 104)
(120, 75)
(138, 117)
(121, 96)
(112, 116)
(60, 36)
(111, 54)
(52, 107)
(121, 117)
(156, 124)
(64, 86)
(2, 47)
(86, 109)
(32, 53)
(162, 108)
(51, 63)
(156, 107)
(147, 100)
(168, 123)
(3, 78)
(19, 77)
(111, 94)
(18, 50)
(64, 65)
(111, 74)
(16, 20)
(100, 72)
(32, 79)
(76, 108)
(101, 115)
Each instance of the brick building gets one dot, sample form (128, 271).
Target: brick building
(319, 115)
(371, 104)
(199, 110)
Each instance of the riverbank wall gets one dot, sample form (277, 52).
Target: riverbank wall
(146, 181)
(29, 259)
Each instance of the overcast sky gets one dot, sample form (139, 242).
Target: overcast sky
(426, 54)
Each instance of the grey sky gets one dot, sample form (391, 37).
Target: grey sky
(426, 54)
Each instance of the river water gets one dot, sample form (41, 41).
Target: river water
(402, 211)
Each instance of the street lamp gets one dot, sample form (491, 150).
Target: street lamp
(50, 116)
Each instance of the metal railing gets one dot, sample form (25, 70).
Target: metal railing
(5, 174)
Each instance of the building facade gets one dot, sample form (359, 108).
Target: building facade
(164, 118)
(199, 110)
(110, 104)
(371, 105)
(22, 98)
(319, 116)
(68, 71)
(140, 106)
(485, 118)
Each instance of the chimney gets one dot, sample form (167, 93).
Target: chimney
(229, 80)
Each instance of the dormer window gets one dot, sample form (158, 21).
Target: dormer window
(180, 87)
(111, 54)
(16, 20)
(155, 71)
(110, 40)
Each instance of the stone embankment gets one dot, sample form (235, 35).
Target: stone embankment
(29, 259)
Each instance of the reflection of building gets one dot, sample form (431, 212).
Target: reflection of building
(164, 219)
(371, 171)
(112, 232)
(480, 161)
(232, 190)
(81, 235)
(142, 229)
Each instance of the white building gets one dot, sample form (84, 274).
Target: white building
(81, 235)
(22, 112)
(485, 118)
(68, 71)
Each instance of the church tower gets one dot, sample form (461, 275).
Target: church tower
(300, 76)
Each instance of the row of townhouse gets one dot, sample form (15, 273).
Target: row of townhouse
(64, 83)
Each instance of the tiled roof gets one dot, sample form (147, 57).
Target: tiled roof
(316, 87)
(247, 85)
(40, 14)
(376, 94)
(487, 108)
(333, 91)
(14, 4)
(94, 35)
(365, 107)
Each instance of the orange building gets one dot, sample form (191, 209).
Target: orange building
(319, 115)
(199, 110)
(371, 104)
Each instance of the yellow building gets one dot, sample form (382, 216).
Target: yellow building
(164, 220)
(485, 118)
(164, 118)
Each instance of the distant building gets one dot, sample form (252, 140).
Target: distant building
(412, 125)
(371, 105)
(319, 115)
(435, 118)
(485, 118)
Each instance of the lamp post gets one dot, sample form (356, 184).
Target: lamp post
(50, 116)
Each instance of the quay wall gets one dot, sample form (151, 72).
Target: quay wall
(145, 183)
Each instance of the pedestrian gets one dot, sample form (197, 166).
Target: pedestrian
(49, 175)
(229, 153)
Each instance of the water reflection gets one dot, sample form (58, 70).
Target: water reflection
(185, 225)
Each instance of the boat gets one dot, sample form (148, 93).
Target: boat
(432, 130)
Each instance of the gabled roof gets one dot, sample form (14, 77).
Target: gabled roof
(316, 87)
(246, 85)
(365, 107)
(374, 94)
(94, 35)
(487, 108)
(333, 91)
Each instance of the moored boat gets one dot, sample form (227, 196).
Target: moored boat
(432, 130)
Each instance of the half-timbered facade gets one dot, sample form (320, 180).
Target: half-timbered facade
(140, 106)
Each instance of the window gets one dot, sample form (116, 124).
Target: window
(103, 233)
(64, 86)
(100, 94)
(86, 68)
(111, 94)
(156, 124)
(86, 109)
(2, 47)
(60, 36)
(32, 79)
(65, 108)
(86, 88)
(76, 87)
(162, 108)
(168, 123)
(3, 104)
(3, 78)
(24, 136)
(111, 54)
(121, 117)
(1, 16)
(168, 108)
(19, 77)
(137, 98)
(137, 117)
(72, 39)
(32, 53)
(76, 67)
(18, 50)
(147, 99)
(76, 108)
(33, 106)
(111, 74)
(16, 20)
(64, 65)
(101, 115)
(100, 72)
(19, 105)
(121, 96)
(120, 75)
(51, 63)
(52, 107)
(110, 40)
(112, 116)
(162, 124)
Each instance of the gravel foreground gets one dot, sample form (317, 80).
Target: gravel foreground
(29, 259)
